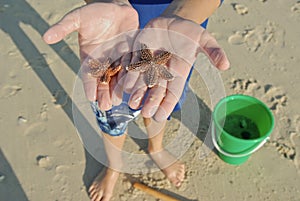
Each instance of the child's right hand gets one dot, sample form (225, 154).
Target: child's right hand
(95, 24)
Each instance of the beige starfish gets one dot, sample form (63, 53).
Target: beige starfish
(102, 71)
(152, 66)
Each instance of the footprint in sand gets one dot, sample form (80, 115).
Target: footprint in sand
(35, 129)
(44, 162)
(259, 37)
(37, 62)
(154, 180)
(9, 90)
(285, 150)
(60, 98)
(22, 120)
(12, 74)
(62, 184)
(295, 139)
(274, 97)
(236, 39)
(296, 7)
(240, 9)
(250, 37)
(286, 135)
(44, 112)
(2, 177)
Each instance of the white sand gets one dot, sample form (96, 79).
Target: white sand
(42, 158)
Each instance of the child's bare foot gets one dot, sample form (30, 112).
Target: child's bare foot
(103, 185)
(170, 166)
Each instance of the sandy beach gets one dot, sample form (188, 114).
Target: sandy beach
(42, 156)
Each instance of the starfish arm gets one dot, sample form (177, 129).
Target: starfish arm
(107, 63)
(164, 73)
(94, 64)
(113, 70)
(151, 77)
(97, 69)
(162, 58)
(140, 66)
(96, 73)
(146, 53)
(104, 79)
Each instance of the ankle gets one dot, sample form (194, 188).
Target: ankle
(112, 172)
(155, 150)
(115, 166)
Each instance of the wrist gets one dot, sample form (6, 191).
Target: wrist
(194, 10)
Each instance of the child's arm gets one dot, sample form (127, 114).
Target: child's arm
(194, 10)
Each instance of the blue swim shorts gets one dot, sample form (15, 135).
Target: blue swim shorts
(114, 121)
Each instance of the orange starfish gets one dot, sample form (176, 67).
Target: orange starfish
(152, 66)
(102, 71)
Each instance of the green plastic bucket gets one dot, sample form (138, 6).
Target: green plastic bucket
(241, 125)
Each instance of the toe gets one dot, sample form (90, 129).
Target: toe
(180, 177)
(182, 167)
(178, 183)
(91, 189)
(100, 196)
(175, 181)
(94, 197)
(91, 193)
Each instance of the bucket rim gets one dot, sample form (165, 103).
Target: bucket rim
(244, 97)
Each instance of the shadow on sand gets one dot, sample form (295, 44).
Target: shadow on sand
(10, 187)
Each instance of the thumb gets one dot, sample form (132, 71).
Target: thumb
(214, 51)
(218, 57)
(65, 26)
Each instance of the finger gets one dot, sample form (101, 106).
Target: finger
(90, 88)
(173, 94)
(65, 26)
(138, 93)
(103, 97)
(117, 88)
(213, 50)
(131, 76)
(89, 82)
(154, 98)
(130, 81)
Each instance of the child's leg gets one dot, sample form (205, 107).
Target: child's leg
(113, 123)
(171, 167)
(103, 185)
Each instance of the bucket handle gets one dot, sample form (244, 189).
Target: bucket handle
(239, 154)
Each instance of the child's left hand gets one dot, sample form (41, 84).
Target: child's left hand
(184, 39)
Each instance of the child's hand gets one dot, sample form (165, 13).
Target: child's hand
(184, 39)
(95, 24)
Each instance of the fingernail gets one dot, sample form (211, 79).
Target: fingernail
(152, 98)
(153, 111)
(50, 37)
(137, 99)
(104, 105)
(90, 96)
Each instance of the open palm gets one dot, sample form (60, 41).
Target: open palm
(96, 24)
(184, 39)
